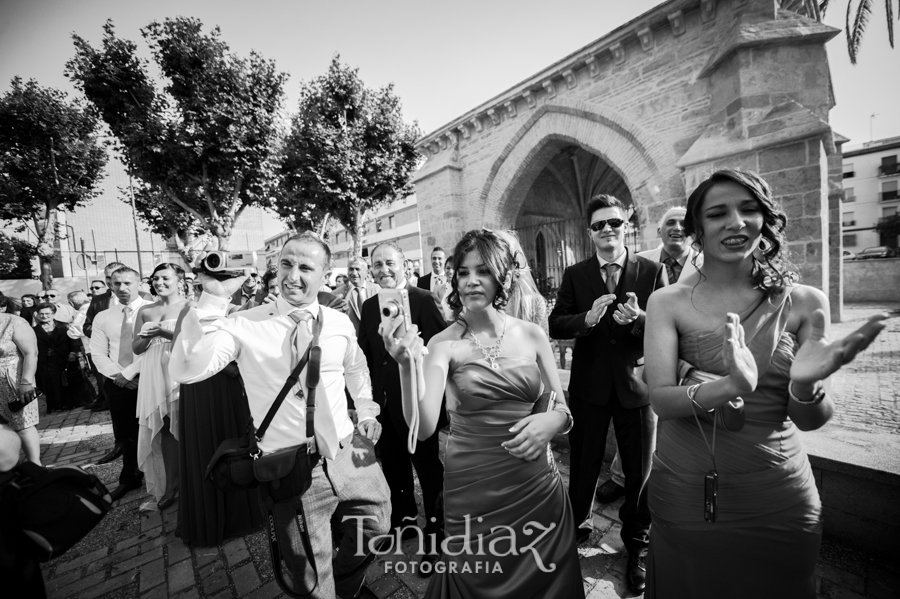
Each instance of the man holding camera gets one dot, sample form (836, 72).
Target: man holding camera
(387, 268)
(267, 342)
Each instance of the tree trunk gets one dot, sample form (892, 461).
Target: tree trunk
(356, 234)
(46, 230)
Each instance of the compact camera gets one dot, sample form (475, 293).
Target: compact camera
(394, 303)
(227, 264)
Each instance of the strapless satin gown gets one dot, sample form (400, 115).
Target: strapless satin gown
(766, 537)
(515, 514)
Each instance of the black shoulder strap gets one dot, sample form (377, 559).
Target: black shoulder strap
(292, 380)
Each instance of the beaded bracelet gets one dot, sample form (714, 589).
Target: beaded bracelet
(816, 398)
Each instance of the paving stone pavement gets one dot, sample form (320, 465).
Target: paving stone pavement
(135, 554)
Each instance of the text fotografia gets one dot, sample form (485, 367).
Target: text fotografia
(441, 567)
(503, 543)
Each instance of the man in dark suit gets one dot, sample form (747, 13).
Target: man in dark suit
(435, 278)
(356, 290)
(601, 304)
(387, 268)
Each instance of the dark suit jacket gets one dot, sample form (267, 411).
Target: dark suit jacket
(343, 290)
(424, 282)
(99, 303)
(608, 354)
(383, 369)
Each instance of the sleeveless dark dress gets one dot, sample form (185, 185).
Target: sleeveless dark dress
(531, 551)
(766, 538)
(211, 411)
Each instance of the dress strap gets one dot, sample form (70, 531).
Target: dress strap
(765, 326)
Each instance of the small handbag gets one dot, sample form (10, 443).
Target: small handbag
(730, 415)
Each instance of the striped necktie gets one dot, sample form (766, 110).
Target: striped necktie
(673, 269)
(612, 276)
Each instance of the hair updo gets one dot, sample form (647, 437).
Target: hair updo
(498, 258)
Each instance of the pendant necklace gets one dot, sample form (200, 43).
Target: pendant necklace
(492, 352)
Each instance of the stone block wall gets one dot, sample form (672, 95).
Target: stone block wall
(872, 280)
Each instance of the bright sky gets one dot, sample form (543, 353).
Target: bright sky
(443, 60)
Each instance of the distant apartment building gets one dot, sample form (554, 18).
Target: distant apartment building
(871, 192)
(397, 222)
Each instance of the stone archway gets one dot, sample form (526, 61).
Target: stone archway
(686, 88)
(636, 157)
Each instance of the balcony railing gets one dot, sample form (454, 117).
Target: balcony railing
(887, 170)
(886, 196)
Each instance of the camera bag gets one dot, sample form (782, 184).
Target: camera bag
(51, 509)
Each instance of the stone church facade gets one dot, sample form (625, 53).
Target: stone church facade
(645, 113)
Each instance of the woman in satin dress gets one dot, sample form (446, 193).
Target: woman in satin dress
(507, 517)
(743, 318)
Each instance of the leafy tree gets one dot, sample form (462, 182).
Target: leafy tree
(202, 141)
(889, 227)
(348, 151)
(50, 159)
(15, 257)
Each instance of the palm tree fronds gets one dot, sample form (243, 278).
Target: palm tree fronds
(889, 7)
(823, 6)
(857, 30)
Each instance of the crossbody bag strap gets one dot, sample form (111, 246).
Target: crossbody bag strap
(314, 354)
(291, 381)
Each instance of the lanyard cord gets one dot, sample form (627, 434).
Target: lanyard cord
(711, 450)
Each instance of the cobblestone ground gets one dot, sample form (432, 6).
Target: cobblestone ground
(135, 554)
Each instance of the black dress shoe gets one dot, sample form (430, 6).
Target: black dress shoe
(114, 453)
(609, 492)
(164, 503)
(582, 535)
(636, 573)
(120, 491)
(98, 406)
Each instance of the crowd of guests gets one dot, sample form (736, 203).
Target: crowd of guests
(734, 509)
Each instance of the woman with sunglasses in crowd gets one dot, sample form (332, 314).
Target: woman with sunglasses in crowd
(157, 402)
(735, 508)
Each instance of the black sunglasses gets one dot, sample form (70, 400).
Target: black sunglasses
(97, 288)
(598, 225)
(52, 295)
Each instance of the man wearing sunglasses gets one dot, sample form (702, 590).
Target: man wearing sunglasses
(97, 287)
(64, 312)
(250, 290)
(601, 303)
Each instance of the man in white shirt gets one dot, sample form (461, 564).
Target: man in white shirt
(347, 484)
(111, 348)
(435, 278)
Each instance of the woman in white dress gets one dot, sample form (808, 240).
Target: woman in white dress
(157, 405)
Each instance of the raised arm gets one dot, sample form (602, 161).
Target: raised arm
(810, 404)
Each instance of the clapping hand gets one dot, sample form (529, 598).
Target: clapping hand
(153, 330)
(817, 359)
(629, 311)
(598, 308)
(738, 359)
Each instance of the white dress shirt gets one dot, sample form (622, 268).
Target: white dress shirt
(620, 260)
(105, 340)
(76, 328)
(260, 340)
